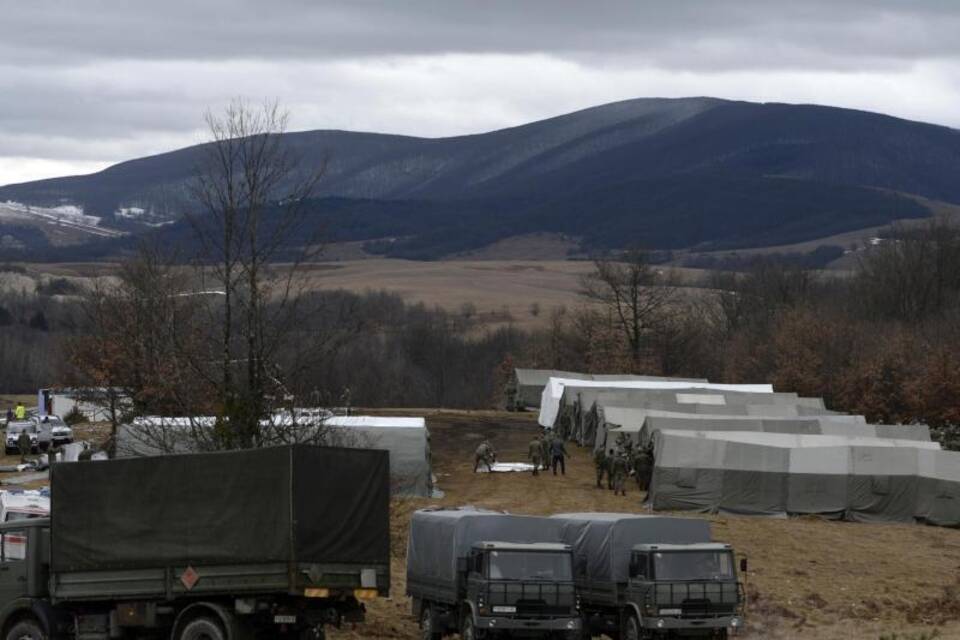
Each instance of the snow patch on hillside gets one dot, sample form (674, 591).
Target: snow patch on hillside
(66, 212)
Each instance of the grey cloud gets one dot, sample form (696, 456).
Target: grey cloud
(106, 80)
(682, 34)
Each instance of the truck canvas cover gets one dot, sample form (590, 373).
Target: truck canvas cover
(439, 537)
(602, 542)
(294, 503)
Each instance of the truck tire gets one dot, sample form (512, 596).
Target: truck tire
(428, 625)
(26, 630)
(202, 628)
(631, 629)
(468, 631)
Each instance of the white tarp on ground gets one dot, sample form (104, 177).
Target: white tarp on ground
(406, 439)
(553, 391)
(506, 467)
(862, 479)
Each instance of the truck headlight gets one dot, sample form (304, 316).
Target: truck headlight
(660, 623)
(735, 622)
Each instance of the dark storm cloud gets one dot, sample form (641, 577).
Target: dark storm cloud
(86, 83)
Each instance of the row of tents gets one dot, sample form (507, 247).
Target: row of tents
(749, 449)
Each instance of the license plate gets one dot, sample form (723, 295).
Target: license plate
(285, 619)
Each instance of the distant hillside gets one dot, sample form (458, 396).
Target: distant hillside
(697, 172)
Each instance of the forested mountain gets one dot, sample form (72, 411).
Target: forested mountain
(664, 173)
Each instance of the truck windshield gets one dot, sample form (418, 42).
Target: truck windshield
(530, 565)
(693, 565)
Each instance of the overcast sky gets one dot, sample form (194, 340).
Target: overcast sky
(86, 84)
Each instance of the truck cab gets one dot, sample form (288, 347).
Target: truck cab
(524, 590)
(17, 505)
(683, 589)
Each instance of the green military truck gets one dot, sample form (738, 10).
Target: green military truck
(652, 576)
(484, 574)
(269, 543)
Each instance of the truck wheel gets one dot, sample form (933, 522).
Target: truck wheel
(202, 628)
(26, 630)
(428, 625)
(469, 632)
(631, 630)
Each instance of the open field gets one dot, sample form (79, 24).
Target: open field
(808, 578)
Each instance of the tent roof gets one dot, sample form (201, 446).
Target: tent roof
(376, 421)
(797, 441)
(553, 391)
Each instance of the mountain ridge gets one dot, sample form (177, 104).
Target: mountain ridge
(661, 172)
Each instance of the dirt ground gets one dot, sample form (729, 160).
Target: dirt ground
(808, 578)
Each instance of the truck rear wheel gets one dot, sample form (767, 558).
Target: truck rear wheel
(26, 630)
(202, 628)
(631, 629)
(428, 625)
(468, 630)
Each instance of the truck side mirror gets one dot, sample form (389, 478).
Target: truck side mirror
(743, 565)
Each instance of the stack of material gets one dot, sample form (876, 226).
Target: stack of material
(775, 474)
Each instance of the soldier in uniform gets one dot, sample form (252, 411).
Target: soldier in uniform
(600, 464)
(534, 454)
(545, 439)
(643, 467)
(619, 471)
(25, 445)
(484, 454)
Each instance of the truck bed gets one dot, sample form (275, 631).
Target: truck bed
(276, 519)
(240, 579)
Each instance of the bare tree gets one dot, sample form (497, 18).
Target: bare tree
(635, 293)
(252, 194)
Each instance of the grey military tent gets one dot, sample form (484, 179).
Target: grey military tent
(524, 390)
(864, 479)
(749, 417)
(554, 394)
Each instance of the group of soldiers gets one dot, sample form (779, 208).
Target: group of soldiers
(547, 450)
(619, 462)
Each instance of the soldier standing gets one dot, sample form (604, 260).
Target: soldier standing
(545, 439)
(643, 467)
(484, 454)
(558, 456)
(25, 445)
(619, 471)
(535, 452)
(600, 464)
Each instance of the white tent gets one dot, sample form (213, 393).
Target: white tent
(553, 391)
(408, 442)
(406, 439)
